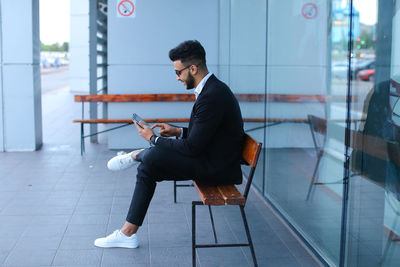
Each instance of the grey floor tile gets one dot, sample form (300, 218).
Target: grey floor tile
(51, 219)
(307, 261)
(19, 209)
(170, 256)
(95, 201)
(167, 216)
(11, 231)
(271, 250)
(52, 230)
(7, 244)
(115, 256)
(77, 257)
(90, 219)
(296, 249)
(31, 257)
(54, 210)
(3, 255)
(93, 209)
(86, 230)
(128, 265)
(49, 242)
(222, 257)
(169, 235)
(278, 262)
(285, 235)
(120, 208)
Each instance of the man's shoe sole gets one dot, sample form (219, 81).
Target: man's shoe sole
(116, 245)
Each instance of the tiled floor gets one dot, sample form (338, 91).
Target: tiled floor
(55, 202)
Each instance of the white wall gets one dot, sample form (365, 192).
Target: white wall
(138, 57)
(79, 46)
(234, 35)
(21, 89)
(242, 54)
(1, 87)
(297, 64)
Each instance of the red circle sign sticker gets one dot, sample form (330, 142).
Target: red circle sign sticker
(309, 11)
(126, 8)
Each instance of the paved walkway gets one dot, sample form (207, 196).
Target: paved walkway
(54, 203)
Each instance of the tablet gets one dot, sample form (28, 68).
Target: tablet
(136, 118)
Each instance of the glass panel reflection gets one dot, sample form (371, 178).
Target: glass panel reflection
(304, 159)
(374, 201)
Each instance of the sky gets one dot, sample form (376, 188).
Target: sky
(368, 10)
(54, 21)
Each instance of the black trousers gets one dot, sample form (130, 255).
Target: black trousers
(157, 164)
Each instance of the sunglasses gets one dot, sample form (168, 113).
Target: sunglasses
(178, 72)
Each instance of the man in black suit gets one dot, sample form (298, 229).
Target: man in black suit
(208, 151)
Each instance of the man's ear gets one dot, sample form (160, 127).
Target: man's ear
(194, 69)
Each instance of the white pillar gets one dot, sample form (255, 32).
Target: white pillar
(21, 107)
(79, 47)
(1, 87)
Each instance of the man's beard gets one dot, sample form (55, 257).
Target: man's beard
(190, 82)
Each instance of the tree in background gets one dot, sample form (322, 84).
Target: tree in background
(55, 47)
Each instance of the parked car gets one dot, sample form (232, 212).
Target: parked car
(363, 65)
(366, 75)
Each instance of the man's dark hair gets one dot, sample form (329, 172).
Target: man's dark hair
(189, 51)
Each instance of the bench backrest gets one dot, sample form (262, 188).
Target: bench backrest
(286, 98)
(317, 125)
(250, 154)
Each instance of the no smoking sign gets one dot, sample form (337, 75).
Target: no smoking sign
(126, 8)
(309, 11)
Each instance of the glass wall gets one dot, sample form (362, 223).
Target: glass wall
(373, 207)
(307, 63)
(328, 74)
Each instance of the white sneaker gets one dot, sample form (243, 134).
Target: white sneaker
(117, 240)
(121, 162)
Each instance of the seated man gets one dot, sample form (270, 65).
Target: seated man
(208, 151)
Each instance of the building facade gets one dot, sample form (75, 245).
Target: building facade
(329, 114)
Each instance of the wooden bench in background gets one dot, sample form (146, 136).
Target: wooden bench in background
(283, 98)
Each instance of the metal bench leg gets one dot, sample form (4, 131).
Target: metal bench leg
(174, 191)
(212, 223)
(82, 140)
(253, 254)
(194, 203)
(313, 178)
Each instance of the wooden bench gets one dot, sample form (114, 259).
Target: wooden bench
(319, 126)
(227, 195)
(284, 98)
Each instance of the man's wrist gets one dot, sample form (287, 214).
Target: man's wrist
(153, 139)
(179, 132)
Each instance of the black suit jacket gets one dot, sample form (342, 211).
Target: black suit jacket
(214, 136)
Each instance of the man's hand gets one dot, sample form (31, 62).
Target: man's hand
(145, 132)
(167, 130)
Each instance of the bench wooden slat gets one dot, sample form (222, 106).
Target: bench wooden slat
(151, 120)
(286, 98)
(220, 195)
(250, 149)
(209, 195)
(231, 195)
(136, 98)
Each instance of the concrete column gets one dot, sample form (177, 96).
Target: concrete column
(21, 107)
(1, 88)
(79, 47)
